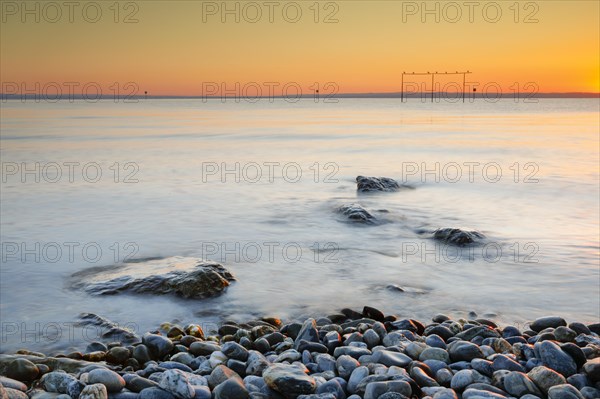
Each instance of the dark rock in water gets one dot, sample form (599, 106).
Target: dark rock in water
(548, 321)
(368, 184)
(22, 370)
(457, 236)
(159, 346)
(109, 330)
(185, 277)
(357, 214)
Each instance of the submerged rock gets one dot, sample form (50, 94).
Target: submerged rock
(368, 184)
(357, 214)
(457, 236)
(109, 329)
(184, 277)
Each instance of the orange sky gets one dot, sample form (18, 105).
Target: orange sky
(176, 46)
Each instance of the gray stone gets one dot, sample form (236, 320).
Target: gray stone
(481, 394)
(202, 348)
(158, 345)
(358, 374)
(552, 356)
(155, 393)
(549, 321)
(185, 277)
(94, 391)
(457, 237)
(545, 378)
(345, 365)
(368, 184)
(176, 382)
(308, 332)
(592, 369)
(233, 350)
(435, 354)
(375, 390)
(389, 358)
(518, 384)
(445, 394)
(11, 383)
(564, 391)
(289, 380)
(463, 350)
(57, 382)
(15, 394)
(111, 380)
(22, 370)
(464, 378)
(232, 388)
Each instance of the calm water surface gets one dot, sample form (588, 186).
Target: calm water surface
(533, 190)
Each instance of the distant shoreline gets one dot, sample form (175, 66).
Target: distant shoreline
(425, 96)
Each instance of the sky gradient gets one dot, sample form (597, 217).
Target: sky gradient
(176, 47)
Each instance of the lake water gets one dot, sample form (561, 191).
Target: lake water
(256, 186)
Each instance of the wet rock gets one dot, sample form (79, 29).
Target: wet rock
(552, 356)
(13, 384)
(502, 362)
(22, 370)
(110, 330)
(519, 384)
(137, 384)
(457, 237)
(357, 214)
(202, 348)
(155, 393)
(345, 365)
(545, 378)
(434, 354)
(111, 380)
(308, 333)
(57, 381)
(564, 391)
(10, 393)
(592, 369)
(471, 393)
(185, 277)
(289, 380)
(549, 321)
(235, 351)
(158, 345)
(176, 382)
(117, 355)
(94, 391)
(369, 184)
(389, 358)
(376, 390)
(358, 374)
(464, 351)
(231, 389)
(464, 378)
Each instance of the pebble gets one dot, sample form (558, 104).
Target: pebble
(232, 388)
(592, 369)
(545, 378)
(548, 321)
(94, 391)
(22, 370)
(176, 382)
(111, 380)
(435, 353)
(389, 358)
(564, 391)
(158, 345)
(552, 356)
(463, 350)
(519, 384)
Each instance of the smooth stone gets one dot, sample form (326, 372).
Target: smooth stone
(464, 378)
(579, 328)
(445, 394)
(175, 365)
(564, 391)
(158, 345)
(290, 355)
(308, 332)
(118, 355)
(435, 341)
(94, 391)
(22, 370)
(352, 351)
(155, 393)
(545, 378)
(233, 350)
(358, 374)
(422, 379)
(232, 388)
(142, 354)
(590, 392)
(332, 387)
(470, 393)
(592, 369)
(375, 390)
(176, 382)
(326, 362)
(15, 394)
(485, 367)
(137, 384)
(549, 321)
(221, 374)
(435, 353)
(371, 338)
(444, 377)
(552, 356)
(464, 351)
(389, 358)
(289, 380)
(256, 363)
(578, 381)
(503, 362)
(111, 380)
(74, 389)
(204, 348)
(345, 365)
(12, 383)
(564, 334)
(57, 382)
(518, 384)
(575, 352)
(183, 358)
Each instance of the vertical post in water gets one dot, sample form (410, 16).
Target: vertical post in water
(402, 92)
(432, 76)
(464, 78)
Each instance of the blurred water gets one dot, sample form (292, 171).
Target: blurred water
(541, 216)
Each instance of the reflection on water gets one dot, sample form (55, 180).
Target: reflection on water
(256, 187)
